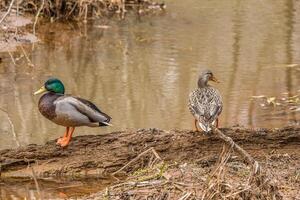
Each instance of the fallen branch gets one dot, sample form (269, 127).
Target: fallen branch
(258, 176)
(247, 157)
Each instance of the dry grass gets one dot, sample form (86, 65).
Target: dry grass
(260, 185)
(229, 178)
(256, 184)
(80, 9)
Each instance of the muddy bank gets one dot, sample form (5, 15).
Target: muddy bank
(101, 155)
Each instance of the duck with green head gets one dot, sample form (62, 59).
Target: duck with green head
(67, 110)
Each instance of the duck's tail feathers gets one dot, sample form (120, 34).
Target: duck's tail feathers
(206, 127)
(106, 121)
(105, 124)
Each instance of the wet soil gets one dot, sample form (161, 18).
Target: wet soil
(101, 155)
(191, 156)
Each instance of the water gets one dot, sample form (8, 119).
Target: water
(50, 188)
(141, 70)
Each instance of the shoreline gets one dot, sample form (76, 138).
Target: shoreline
(128, 156)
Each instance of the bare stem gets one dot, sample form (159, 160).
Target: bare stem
(36, 182)
(246, 156)
(12, 58)
(37, 16)
(8, 11)
(26, 56)
(12, 127)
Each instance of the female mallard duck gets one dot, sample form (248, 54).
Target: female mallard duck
(205, 103)
(67, 110)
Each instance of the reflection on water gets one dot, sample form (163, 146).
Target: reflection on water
(50, 188)
(141, 70)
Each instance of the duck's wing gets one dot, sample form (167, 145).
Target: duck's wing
(195, 105)
(85, 107)
(205, 104)
(214, 106)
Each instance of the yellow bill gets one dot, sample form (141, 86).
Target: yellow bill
(41, 90)
(215, 80)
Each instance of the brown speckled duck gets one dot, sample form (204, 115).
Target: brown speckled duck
(67, 110)
(205, 103)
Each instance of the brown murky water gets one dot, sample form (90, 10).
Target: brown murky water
(50, 188)
(141, 70)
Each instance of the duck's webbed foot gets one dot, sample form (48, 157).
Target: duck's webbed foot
(196, 126)
(217, 123)
(59, 140)
(64, 138)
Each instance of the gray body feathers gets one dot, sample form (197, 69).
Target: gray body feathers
(72, 111)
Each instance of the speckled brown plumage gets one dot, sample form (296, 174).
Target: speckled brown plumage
(205, 102)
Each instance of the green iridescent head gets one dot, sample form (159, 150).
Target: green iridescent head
(52, 85)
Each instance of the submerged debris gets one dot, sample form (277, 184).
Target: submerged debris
(13, 32)
(282, 105)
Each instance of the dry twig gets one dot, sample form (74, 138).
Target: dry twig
(185, 196)
(26, 56)
(262, 184)
(37, 16)
(12, 58)
(8, 11)
(12, 127)
(35, 181)
(137, 158)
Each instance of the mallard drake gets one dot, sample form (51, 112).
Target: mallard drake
(205, 103)
(67, 110)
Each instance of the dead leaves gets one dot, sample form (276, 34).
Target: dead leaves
(290, 102)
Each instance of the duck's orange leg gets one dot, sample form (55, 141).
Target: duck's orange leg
(65, 142)
(59, 140)
(196, 125)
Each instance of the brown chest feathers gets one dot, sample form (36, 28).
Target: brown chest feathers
(46, 105)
